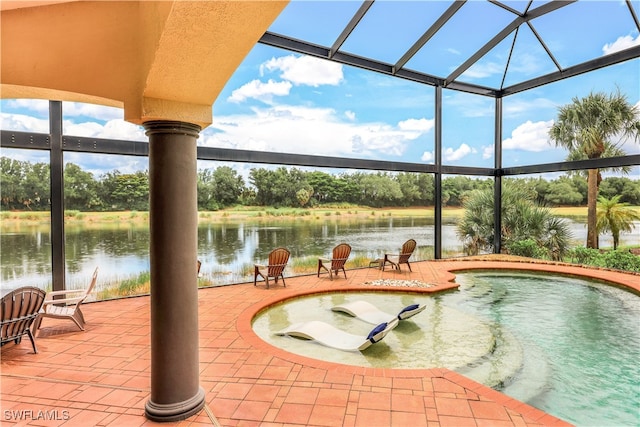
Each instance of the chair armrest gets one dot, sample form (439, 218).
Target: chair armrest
(260, 265)
(65, 292)
(63, 300)
(324, 259)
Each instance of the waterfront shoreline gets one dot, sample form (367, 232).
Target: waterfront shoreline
(263, 213)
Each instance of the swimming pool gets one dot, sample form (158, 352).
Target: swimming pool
(580, 340)
(564, 345)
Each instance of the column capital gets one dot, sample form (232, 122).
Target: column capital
(171, 127)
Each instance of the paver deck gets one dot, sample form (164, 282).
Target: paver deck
(101, 377)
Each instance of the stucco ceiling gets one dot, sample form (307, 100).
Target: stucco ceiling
(157, 59)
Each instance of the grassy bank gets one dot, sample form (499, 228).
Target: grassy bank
(248, 213)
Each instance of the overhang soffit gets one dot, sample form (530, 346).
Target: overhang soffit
(89, 48)
(151, 56)
(201, 46)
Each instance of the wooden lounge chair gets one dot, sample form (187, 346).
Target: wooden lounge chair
(67, 307)
(336, 263)
(278, 259)
(402, 258)
(18, 310)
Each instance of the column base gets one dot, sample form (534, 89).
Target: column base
(174, 411)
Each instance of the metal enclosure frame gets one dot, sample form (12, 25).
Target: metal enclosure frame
(57, 143)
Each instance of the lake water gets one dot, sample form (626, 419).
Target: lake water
(227, 250)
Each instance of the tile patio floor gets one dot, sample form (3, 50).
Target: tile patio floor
(100, 377)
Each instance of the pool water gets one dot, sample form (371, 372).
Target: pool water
(581, 342)
(567, 346)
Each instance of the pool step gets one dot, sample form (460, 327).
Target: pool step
(531, 381)
(499, 366)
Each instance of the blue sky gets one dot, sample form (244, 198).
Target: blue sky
(286, 102)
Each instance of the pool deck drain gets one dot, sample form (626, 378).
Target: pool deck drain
(101, 377)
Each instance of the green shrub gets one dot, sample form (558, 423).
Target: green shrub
(621, 260)
(527, 248)
(582, 255)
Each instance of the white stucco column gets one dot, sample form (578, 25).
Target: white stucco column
(173, 220)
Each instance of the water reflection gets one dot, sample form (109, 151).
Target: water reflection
(227, 250)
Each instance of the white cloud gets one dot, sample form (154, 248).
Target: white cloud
(99, 164)
(113, 129)
(99, 112)
(527, 63)
(488, 151)
(261, 91)
(428, 157)
(420, 125)
(482, 70)
(350, 115)
(23, 123)
(305, 70)
(307, 130)
(621, 43)
(469, 105)
(119, 129)
(37, 105)
(516, 107)
(464, 150)
(529, 136)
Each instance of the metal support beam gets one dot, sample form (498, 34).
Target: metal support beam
(56, 168)
(585, 67)
(608, 162)
(362, 10)
(455, 6)
(505, 7)
(535, 13)
(437, 196)
(633, 14)
(544, 46)
(299, 46)
(497, 181)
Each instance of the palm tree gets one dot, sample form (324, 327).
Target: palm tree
(586, 128)
(615, 217)
(522, 219)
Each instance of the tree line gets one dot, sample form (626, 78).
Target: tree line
(25, 186)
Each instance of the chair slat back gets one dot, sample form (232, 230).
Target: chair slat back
(18, 310)
(278, 259)
(407, 249)
(340, 255)
(87, 291)
(94, 279)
